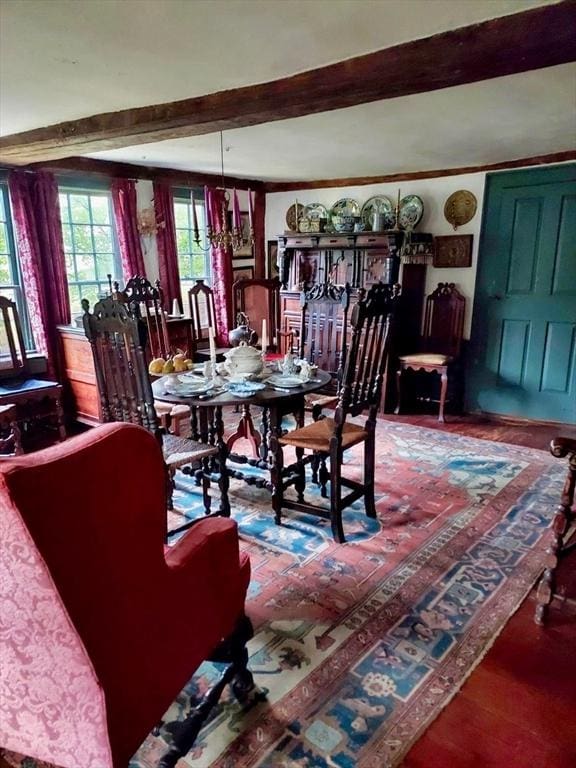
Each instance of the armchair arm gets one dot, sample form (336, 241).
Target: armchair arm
(215, 536)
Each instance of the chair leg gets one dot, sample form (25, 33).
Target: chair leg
(60, 420)
(276, 467)
(300, 484)
(369, 459)
(443, 390)
(314, 465)
(223, 486)
(206, 485)
(335, 498)
(398, 390)
(323, 476)
(170, 487)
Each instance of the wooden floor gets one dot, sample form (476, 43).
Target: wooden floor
(518, 708)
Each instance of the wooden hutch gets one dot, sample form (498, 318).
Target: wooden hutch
(360, 259)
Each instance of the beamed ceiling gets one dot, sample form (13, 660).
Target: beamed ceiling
(329, 88)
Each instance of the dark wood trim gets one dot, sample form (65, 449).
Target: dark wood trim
(533, 39)
(259, 233)
(88, 166)
(292, 186)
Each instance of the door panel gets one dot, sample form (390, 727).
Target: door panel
(523, 344)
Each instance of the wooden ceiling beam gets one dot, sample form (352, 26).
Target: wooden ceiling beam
(393, 178)
(90, 166)
(537, 38)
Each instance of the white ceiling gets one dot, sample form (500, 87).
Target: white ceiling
(65, 59)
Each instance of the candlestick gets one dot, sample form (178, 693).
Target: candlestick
(212, 342)
(194, 219)
(235, 211)
(250, 210)
(264, 337)
(208, 206)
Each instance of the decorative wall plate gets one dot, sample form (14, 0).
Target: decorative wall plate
(411, 210)
(293, 216)
(378, 204)
(460, 208)
(343, 213)
(315, 211)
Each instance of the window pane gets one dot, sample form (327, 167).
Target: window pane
(82, 238)
(85, 266)
(198, 265)
(103, 239)
(100, 209)
(75, 306)
(64, 213)
(183, 241)
(104, 265)
(3, 238)
(79, 209)
(181, 215)
(5, 277)
(67, 237)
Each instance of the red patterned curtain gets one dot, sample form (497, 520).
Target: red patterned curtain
(221, 262)
(126, 217)
(166, 240)
(38, 228)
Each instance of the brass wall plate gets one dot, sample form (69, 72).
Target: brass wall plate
(460, 208)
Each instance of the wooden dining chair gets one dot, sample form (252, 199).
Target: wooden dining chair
(323, 338)
(440, 343)
(259, 299)
(145, 302)
(203, 315)
(560, 543)
(36, 400)
(371, 324)
(126, 394)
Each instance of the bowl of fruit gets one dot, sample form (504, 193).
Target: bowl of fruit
(177, 363)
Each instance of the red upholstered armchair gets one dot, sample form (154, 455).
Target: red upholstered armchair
(99, 631)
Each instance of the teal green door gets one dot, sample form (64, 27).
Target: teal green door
(523, 340)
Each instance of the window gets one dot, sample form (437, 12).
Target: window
(193, 260)
(10, 276)
(90, 245)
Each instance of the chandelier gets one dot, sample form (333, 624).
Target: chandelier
(227, 237)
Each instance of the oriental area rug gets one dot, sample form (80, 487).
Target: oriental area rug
(358, 647)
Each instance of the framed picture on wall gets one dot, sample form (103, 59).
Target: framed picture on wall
(453, 251)
(239, 273)
(246, 249)
(271, 258)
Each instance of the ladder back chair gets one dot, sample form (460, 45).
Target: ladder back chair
(145, 302)
(126, 393)
(35, 400)
(203, 315)
(371, 324)
(259, 299)
(323, 338)
(441, 340)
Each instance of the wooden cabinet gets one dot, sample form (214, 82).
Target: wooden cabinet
(360, 259)
(81, 401)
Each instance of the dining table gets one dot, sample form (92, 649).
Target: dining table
(275, 402)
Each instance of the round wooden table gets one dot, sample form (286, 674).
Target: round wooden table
(207, 424)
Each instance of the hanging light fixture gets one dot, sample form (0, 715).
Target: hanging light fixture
(227, 237)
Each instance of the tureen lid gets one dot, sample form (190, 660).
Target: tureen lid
(243, 351)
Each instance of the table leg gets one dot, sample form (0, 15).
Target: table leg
(217, 434)
(276, 461)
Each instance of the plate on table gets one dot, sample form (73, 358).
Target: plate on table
(411, 210)
(187, 387)
(277, 380)
(378, 204)
(244, 388)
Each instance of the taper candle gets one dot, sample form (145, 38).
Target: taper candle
(212, 342)
(236, 224)
(194, 218)
(250, 210)
(264, 337)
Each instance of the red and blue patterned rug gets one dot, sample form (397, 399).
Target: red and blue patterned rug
(359, 646)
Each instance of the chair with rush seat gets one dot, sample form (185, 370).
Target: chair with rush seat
(101, 632)
(441, 340)
(126, 393)
(371, 323)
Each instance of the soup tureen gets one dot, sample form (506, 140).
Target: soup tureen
(243, 360)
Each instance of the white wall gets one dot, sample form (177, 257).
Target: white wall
(433, 192)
